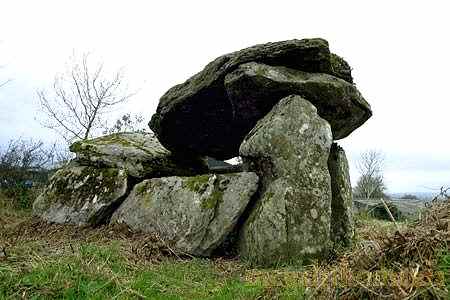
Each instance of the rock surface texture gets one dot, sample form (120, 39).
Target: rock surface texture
(289, 150)
(253, 89)
(279, 106)
(81, 195)
(140, 154)
(201, 105)
(193, 214)
(342, 226)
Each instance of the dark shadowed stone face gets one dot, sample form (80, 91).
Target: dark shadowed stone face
(253, 89)
(342, 225)
(197, 116)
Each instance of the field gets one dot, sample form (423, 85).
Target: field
(47, 261)
(410, 208)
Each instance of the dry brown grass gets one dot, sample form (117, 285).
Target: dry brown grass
(138, 247)
(384, 262)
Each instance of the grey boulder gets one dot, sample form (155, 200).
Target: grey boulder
(253, 89)
(342, 225)
(81, 195)
(201, 106)
(290, 219)
(140, 154)
(192, 214)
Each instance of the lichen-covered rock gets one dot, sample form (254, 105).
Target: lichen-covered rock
(254, 88)
(192, 214)
(201, 106)
(81, 195)
(342, 226)
(289, 150)
(140, 154)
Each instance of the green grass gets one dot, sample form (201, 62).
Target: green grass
(41, 266)
(63, 262)
(102, 272)
(444, 266)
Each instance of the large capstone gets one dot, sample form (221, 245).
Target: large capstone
(342, 226)
(191, 214)
(253, 89)
(197, 116)
(290, 219)
(81, 195)
(140, 154)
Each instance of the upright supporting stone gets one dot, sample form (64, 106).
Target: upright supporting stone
(342, 227)
(290, 219)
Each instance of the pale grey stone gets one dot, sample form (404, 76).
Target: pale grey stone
(289, 150)
(81, 195)
(140, 154)
(192, 214)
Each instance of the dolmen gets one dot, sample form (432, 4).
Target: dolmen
(280, 107)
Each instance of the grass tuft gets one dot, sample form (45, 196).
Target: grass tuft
(47, 261)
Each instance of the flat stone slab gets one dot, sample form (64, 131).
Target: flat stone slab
(140, 154)
(253, 89)
(192, 214)
(196, 116)
(81, 195)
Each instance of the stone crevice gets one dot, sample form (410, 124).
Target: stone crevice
(279, 106)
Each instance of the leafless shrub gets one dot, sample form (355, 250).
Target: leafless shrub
(128, 123)
(80, 99)
(24, 164)
(371, 181)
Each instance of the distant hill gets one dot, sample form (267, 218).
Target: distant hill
(421, 195)
(408, 207)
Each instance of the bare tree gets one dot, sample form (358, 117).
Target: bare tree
(24, 159)
(80, 99)
(371, 182)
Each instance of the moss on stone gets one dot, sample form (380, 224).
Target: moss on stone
(76, 147)
(75, 186)
(140, 188)
(196, 184)
(115, 138)
(340, 68)
(212, 201)
(147, 200)
(140, 154)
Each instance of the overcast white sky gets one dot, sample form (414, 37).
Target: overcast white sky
(399, 51)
